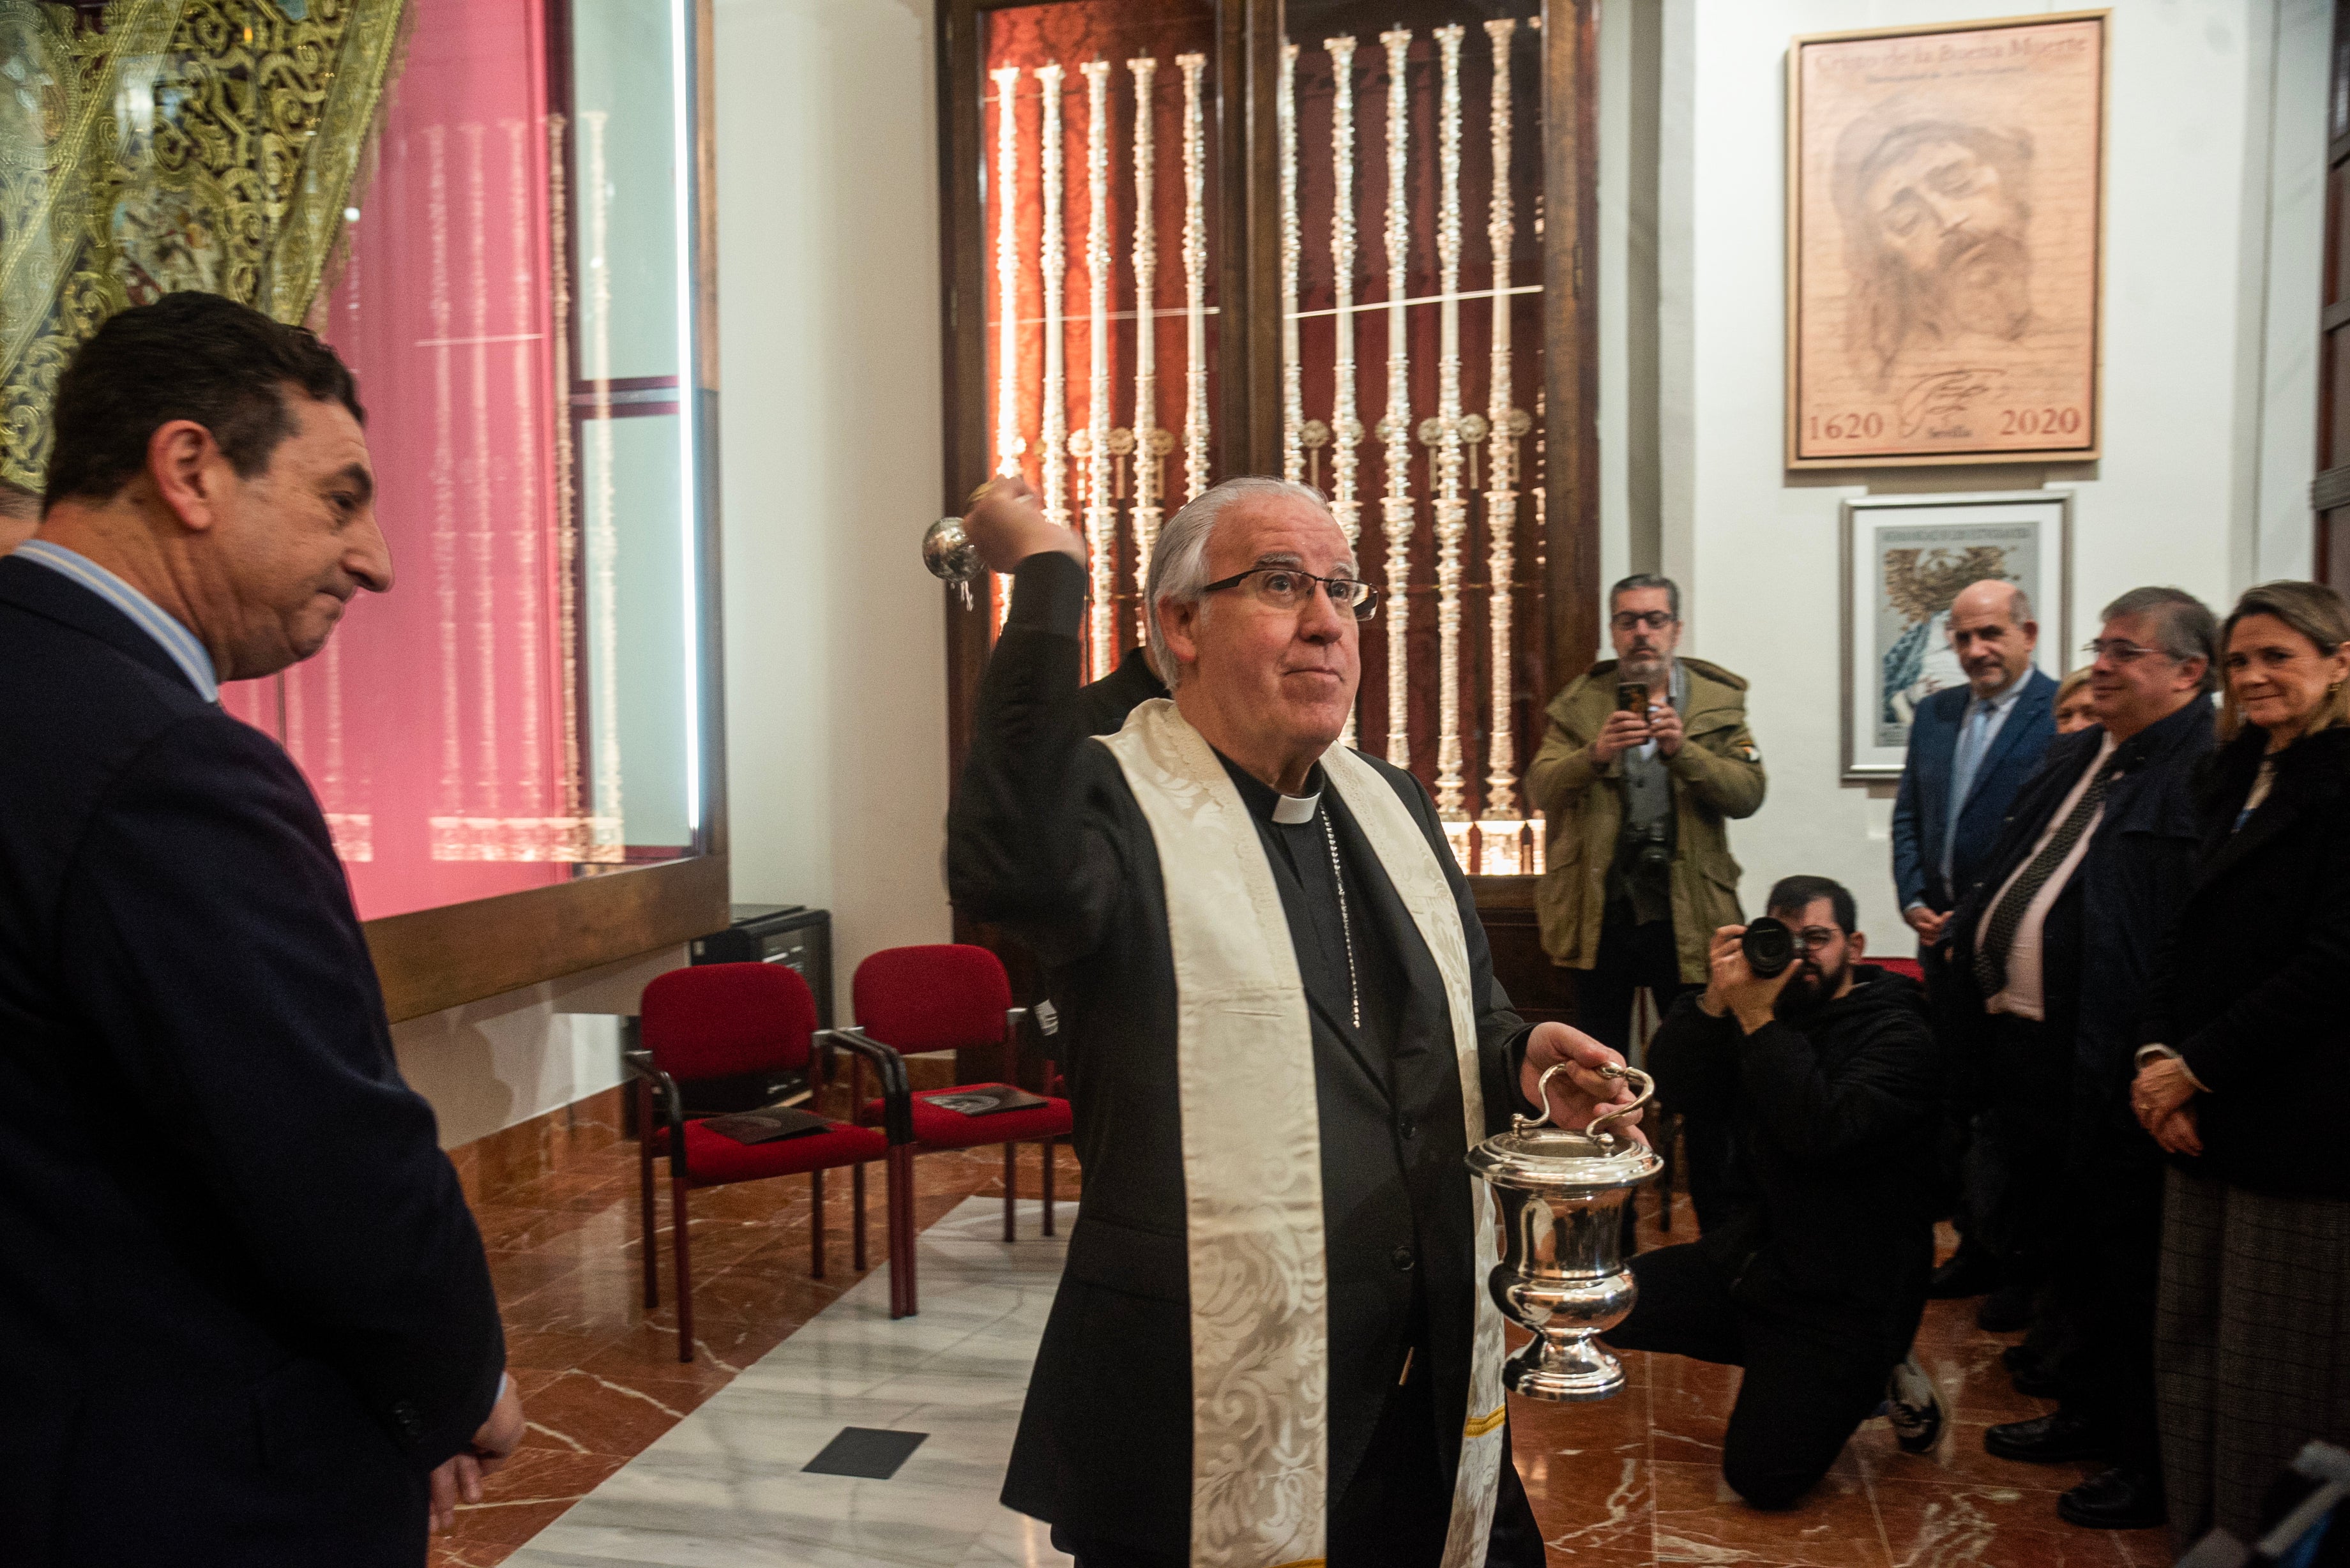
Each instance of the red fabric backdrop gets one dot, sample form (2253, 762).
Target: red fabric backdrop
(436, 727)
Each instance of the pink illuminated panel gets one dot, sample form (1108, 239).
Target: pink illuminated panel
(451, 728)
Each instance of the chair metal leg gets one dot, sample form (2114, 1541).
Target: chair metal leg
(856, 1205)
(1050, 1147)
(645, 1190)
(1011, 1188)
(901, 1231)
(816, 1224)
(684, 1273)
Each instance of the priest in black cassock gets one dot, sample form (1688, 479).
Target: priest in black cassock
(1277, 1015)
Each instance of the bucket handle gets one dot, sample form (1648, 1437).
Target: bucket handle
(1597, 1130)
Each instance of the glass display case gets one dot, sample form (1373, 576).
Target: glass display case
(1336, 243)
(490, 209)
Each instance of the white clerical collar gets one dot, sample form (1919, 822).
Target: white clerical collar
(1289, 810)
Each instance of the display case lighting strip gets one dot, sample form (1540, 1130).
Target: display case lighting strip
(1008, 444)
(1293, 373)
(1101, 519)
(1346, 422)
(1195, 279)
(1052, 432)
(1451, 507)
(1148, 454)
(1502, 428)
(1395, 428)
(689, 393)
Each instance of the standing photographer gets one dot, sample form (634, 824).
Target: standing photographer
(1824, 1070)
(1646, 758)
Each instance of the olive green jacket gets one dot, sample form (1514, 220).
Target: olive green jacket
(1716, 775)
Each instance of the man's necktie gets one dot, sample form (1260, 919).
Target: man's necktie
(1965, 764)
(1991, 956)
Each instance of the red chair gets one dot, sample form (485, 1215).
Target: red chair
(913, 1001)
(715, 1020)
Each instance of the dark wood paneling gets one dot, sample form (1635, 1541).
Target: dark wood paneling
(1541, 990)
(1571, 346)
(961, 264)
(442, 957)
(2333, 547)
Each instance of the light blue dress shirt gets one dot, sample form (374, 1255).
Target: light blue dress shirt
(145, 614)
(1977, 731)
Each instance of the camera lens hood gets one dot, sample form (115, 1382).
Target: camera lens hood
(1769, 946)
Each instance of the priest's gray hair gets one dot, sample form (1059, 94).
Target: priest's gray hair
(1179, 562)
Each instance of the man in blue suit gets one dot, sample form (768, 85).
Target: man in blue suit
(1971, 748)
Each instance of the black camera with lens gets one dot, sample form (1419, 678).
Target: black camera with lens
(1769, 946)
(1652, 851)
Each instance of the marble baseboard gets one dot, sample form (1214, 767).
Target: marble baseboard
(489, 1168)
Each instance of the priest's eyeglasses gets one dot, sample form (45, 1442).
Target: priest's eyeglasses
(1286, 587)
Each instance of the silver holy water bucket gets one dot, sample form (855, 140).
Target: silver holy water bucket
(1563, 1196)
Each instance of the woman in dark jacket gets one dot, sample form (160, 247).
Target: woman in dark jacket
(2246, 1078)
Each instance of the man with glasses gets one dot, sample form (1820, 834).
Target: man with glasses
(2052, 953)
(1646, 758)
(1280, 1027)
(1814, 1278)
(1971, 749)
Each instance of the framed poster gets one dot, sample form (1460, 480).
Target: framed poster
(1945, 215)
(1906, 558)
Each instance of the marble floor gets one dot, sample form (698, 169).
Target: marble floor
(727, 1484)
(636, 1458)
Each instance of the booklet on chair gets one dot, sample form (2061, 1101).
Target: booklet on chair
(982, 1099)
(765, 1126)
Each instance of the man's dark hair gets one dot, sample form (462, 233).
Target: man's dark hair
(1647, 580)
(189, 356)
(2184, 625)
(1794, 895)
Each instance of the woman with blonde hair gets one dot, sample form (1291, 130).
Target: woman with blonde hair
(2072, 702)
(2245, 1079)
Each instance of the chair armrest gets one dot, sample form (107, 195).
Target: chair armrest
(1013, 1017)
(896, 1090)
(641, 1067)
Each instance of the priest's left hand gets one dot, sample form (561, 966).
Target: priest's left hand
(1552, 1043)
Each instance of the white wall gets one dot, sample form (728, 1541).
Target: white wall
(830, 455)
(489, 1065)
(2210, 307)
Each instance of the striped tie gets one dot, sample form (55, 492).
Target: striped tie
(1991, 957)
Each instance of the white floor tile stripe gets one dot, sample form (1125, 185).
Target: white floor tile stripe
(724, 1487)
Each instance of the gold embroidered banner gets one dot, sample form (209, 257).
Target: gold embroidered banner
(154, 145)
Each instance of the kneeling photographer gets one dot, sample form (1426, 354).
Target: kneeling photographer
(1824, 1069)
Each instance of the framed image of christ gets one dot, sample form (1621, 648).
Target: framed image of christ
(1945, 216)
(1906, 558)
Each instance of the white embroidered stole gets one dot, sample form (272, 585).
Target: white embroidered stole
(1252, 1155)
(1411, 866)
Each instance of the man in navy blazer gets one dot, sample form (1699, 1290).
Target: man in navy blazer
(245, 1314)
(1952, 803)
(1971, 748)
